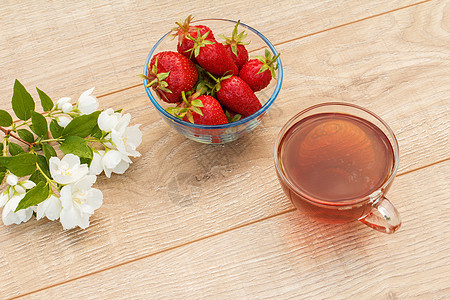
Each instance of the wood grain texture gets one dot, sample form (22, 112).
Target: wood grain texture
(180, 191)
(289, 257)
(67, 47)
(392, 66)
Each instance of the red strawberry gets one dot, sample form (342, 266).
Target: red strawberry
(259, 72)
(236, 95)
(183, 30)
(170, 73)
(212, 56)
(204, 109)
(235, 46)
(211, 112)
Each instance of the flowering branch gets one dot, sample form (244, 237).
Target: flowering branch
(92, 141)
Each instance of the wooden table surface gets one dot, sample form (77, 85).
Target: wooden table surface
(194, 221)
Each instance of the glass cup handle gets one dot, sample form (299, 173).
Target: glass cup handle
(383, 217)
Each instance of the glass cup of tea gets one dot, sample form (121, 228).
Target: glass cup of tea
(336, 161)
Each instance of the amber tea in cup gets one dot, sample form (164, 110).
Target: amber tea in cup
(336, 161)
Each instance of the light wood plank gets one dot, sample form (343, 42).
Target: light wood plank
(145, 211)
(66, 48)
(288, 257)
(396, 67)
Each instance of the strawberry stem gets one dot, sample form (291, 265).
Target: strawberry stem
(199, 42)
(183, 28)
(268, 62)
(183, 96)
(235, 39)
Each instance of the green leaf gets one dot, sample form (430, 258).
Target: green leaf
(236, 117)
(76, 145)
(55, 129)
(197, 110)
(162, 76)
(25, 135)
(81, 126)
(96, 131)
(143, 76)
(267, 54)
(22, 102)
(22, 164)
(84, 160)
(5, 118)
(173, 110)
(43, 164)
(197, 103)
(37, 177)
(190, 117)
(14, 149)
(182, 112)
(48, 150)
(39, 125)
(2, 175)
(46, 101)
(97, 134)
(34, 196)
(263, 68)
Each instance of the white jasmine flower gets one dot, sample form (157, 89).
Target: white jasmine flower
(11, 192)
(62, 121)
(68, 169)
(67, 107)
(11, 197)
(113, 162)
(4, 197)
(28, 184)
(19, 189)
(108, 119)
(16, 187)
(12, 179)
(96, 166)
(127, 140)
(87, 103)
(120, 168)
(123, 143)
(10, 217)
(111, 159)
(62, 101)
(123, 123)
(79, 201)
(50, 208)
(110, 162)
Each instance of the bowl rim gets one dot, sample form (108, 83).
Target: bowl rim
(261, 111)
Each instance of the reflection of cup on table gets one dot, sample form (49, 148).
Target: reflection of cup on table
(336, 161)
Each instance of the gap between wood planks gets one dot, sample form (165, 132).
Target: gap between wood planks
(423, 167)
(191, 242)
(154, 253)
(248, 223)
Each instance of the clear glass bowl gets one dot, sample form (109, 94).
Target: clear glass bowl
(219, 134)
